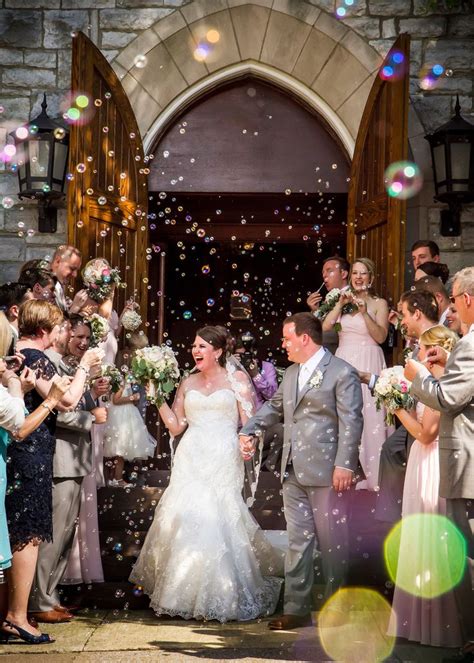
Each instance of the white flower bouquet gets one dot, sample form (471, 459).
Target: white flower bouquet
(131, 320)
(156, 368)
(114, 375)
(392, 391)
(330, 302)
(99, 329)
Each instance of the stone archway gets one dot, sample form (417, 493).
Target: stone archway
(291, 43)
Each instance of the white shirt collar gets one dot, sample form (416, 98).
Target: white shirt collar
(442, 319)
(310, 364)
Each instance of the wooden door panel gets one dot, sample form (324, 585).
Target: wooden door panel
(107, 203)
(375, 227)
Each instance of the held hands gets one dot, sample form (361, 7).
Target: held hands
(248, 444)
(100, 415)
(341, 479)
(314, 300)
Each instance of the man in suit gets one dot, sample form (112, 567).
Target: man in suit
(453, 395)
(72, 461)
(65, 266)
(320, 404)
(335, 274)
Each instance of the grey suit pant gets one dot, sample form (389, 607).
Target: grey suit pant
(456, 510)
(53, 557)
(392, 470)
(313, 513)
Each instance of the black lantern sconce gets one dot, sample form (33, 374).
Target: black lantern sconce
(42, 156)
(452, 154)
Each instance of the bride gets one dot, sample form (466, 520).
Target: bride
(204, 556)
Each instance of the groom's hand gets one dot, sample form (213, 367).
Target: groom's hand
(247, 446)
(341, 479)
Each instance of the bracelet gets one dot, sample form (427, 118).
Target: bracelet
(47, 407)
(83, 368)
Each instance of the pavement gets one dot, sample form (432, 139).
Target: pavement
(103, 636)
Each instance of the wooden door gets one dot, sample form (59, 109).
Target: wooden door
(375, 221)
(107, 197)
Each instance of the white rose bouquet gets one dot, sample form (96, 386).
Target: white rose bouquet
(156, 368)
(99, 329)
(330, 302)
(131, 320)
(114, 375)
(392, 391)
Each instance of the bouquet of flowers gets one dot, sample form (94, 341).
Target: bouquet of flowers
(99, 329)
(392, 391)
(157, 368)
(131, 320)
(114, 375)
(330, 302)
(99, 279)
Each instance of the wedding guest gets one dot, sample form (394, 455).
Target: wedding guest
(262, 373)
(12, 296)
(41, 282)
(419, 312)
(430, 621)
(84, 564)
(335, 274)
(433, 285)
(30, 462)
(438, 269)
(453, 395)
(65, 265)
(453, 321)
(72, 462)
(424, 250)
(362, 332)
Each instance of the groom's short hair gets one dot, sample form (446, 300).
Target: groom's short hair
(306, 323)
(423, 301)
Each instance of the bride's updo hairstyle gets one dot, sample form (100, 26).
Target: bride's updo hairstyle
(220, 339)
(441, 336)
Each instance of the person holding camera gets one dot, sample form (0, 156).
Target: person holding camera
(262, 373)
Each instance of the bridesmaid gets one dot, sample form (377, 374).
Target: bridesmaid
(429, 621)
(360, 336)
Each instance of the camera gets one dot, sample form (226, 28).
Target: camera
(247, 358)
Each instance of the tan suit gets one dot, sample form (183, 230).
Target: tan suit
(453, 396)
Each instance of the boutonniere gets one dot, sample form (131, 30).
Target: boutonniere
(316, 380)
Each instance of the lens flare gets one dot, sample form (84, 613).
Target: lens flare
(403, 180)
(394, 68)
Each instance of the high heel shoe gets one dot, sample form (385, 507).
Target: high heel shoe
(21, 634)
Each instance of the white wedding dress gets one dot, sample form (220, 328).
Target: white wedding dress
(205, 556)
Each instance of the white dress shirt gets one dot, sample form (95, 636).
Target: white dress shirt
(12, 410)
(442, 320)
(308, 368)
(60, 295)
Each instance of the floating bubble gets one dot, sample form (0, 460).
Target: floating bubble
(82, 100)
(7, 202)
(101, 200)
(205, 269)
(138, 589)
(117, 547)
(98, 102)
(9, 151)
(166, 153)
(200, 232)
(187, 315)
(33, 129)
(366, 616)
(287, 192)
(394, 68)
(79, 224)
(431, 77)
(449, 73)
(21, 133)
(108, 95)
(140, 61)
(431, 571)
(105, 130)
(81, 167)
(59, 133)
(213, 36)
(341, 12)
(403, 180)
(210, 302)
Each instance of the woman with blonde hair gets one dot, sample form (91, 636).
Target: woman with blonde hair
(430, 621)
(30, 462)
(361, 317)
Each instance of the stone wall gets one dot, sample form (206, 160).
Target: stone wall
(35, 52)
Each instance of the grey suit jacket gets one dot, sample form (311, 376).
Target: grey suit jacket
(453, 396)
(73, 453)
(322, 426)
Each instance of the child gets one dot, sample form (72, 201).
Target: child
(126, 436)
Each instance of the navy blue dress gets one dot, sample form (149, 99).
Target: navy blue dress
(28, 500)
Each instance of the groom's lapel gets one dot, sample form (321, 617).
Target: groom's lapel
(320, 367)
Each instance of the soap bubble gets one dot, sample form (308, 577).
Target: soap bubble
(403, 180)
(205, 269)
(7, 202)
(210, 302)
(59, 133)
(140, 61)
(394, 68)
(81, 167)
(187, 315)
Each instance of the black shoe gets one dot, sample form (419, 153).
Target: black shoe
(29, 638)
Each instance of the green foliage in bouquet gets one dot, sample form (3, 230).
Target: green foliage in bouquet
(114, 375)
(156, 368)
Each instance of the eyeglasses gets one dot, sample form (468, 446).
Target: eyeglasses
(454, 297)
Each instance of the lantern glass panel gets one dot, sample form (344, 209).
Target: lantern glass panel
(440, 165)
(60, 157)
(39, 160)
(460, 154)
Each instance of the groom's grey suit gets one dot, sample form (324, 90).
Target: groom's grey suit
(322, 430)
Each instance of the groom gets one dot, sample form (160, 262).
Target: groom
(320, 404)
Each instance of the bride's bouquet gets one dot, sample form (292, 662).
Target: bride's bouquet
(114, 376)
(330, 302)
(156, 368)
(99, 329)
(392, 391)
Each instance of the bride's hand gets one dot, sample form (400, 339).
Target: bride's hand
(247, 446)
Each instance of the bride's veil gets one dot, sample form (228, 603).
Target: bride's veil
(248, 403)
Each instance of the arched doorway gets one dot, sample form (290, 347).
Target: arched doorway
(243, 205)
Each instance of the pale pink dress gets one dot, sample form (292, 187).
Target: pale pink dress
(427, 621)
(358, 348)
(85, 563)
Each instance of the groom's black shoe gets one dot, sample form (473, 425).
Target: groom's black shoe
(288, 622)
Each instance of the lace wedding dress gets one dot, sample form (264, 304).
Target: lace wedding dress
(205, 556)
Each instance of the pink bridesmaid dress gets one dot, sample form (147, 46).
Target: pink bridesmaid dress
(427, 621)
(358, 348)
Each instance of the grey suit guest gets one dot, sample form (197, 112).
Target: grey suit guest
(320, 404)
(453, 395)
